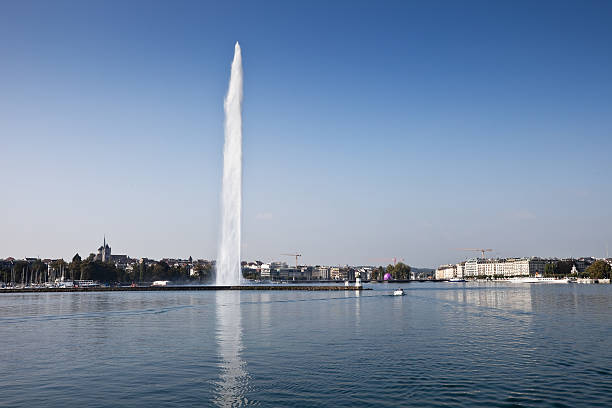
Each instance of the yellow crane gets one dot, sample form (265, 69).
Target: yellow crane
(296, 258)
(481, 250)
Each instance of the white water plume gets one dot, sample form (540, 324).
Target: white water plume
(228, 257)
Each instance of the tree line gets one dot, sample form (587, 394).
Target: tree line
(399, 271)
(37, 272)
(599, 269)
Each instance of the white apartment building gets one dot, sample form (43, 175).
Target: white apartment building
(265, 271)
(460, 270)
(451, 271)
(446, 271)
(504, 267)
(321, 272)
(471, 268)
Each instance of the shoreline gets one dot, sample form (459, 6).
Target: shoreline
(182, 288)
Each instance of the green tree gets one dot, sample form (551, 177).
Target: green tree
(57, 267)
(549, 269)
(99, 271)
(75, 267)
(564, 268)
(203, 271)
(599, 270)
(39, 271)
(19, 270)
(142, 271)
(5, 271)
(399, 271)
(161, 271)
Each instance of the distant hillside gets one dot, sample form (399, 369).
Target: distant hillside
(423, 273)
(422, 270)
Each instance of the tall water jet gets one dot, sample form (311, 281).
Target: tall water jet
(228, 257)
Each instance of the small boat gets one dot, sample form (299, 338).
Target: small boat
(457, 280)
(399, 292)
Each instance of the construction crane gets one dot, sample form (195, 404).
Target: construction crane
(296, 258)
(481, 250)
(386, 260)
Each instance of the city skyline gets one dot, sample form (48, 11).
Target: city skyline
(369, 132)
(104, 254)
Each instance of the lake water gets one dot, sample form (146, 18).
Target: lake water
(443, 344)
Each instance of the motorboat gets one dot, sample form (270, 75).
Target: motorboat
(457, 280)
(399, 292)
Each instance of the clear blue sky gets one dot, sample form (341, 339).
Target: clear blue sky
(371, 129)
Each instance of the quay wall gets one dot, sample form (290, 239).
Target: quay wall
(183, 288)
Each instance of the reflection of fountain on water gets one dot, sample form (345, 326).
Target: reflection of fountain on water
(358, 309)
(231, 388)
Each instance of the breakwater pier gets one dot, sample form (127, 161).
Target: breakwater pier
(184, 288)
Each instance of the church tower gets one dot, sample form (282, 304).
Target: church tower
(104, 252)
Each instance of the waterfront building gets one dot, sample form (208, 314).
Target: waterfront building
(446, 271)
(264, 271)
(176, 263)
(321, 273)
(306, 272)
(278, 265)
(120, 261)
(365, 272)
(147, 262)
(460, 267)
(251, 268)
(471, 267)
(503, 267)
(287, 273)
(529, 267)
(344, 273)
(583, 263)
(347, 273)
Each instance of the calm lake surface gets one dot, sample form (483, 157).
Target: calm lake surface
(443, 344)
